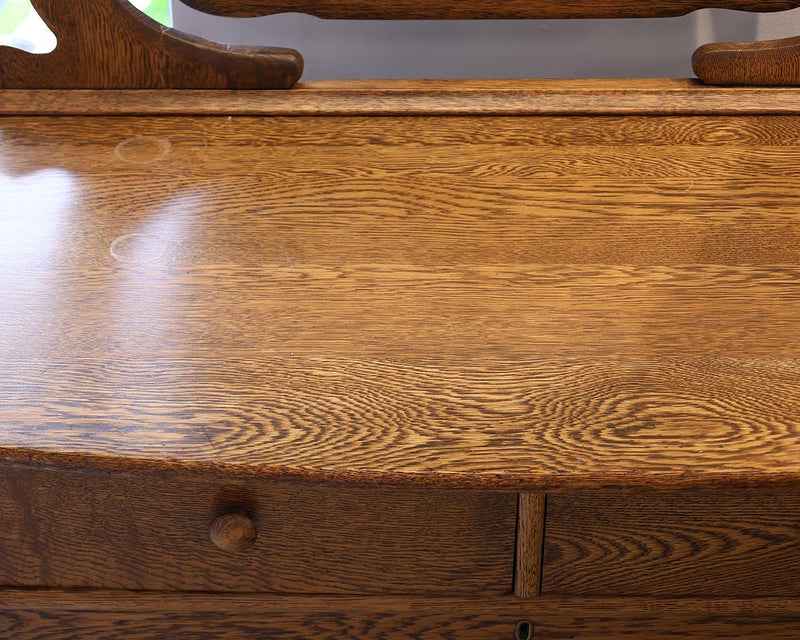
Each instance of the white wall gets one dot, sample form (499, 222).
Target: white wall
(484, 49)
(778, 25)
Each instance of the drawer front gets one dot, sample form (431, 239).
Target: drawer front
(688, 543)
(104, 615)
(70, 529)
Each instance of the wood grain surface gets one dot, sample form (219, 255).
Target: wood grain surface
(530, 539)
(766, 62)
(89, 530)
(687, 543)
(108, 44)
(419, 97)
(233, 531)
(448, 9)
(525, 303)
(32, 615)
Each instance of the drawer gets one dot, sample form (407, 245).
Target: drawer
(76, 529)
(688, 543)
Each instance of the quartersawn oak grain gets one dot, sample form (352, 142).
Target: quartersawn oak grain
(29, 615)
(765, 62)
(108, 44)
(530, 538)
(683, 543)
(657, 422)
(509, 302)
(420, 97)
(91, 530)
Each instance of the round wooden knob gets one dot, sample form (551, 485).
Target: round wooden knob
(233, 531)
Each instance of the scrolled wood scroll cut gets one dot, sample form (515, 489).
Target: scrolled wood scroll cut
(750, 63)
(109, 44)
(479, 9)
(770, 63)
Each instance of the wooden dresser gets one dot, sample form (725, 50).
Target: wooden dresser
(469, 360)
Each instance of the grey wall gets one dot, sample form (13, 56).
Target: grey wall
(779, 25)
(487, 49)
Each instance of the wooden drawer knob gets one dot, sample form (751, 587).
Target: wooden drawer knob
(233, 531)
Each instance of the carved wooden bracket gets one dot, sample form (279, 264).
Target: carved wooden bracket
(479, 9)
(766, 63)
(748, 63)
(109, 44)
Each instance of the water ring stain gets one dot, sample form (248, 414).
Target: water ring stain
(138, 248)
(143, 149)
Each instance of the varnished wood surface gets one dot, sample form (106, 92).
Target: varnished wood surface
(89, 530)
(508, 302)
(530, 539)
(766, 62)
(108, 44)
(32, 615)
(686, 543)
(419, 97)
(448, 9)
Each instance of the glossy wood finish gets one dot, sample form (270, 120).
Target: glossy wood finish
(104, 44)
(688, 543)
(768, 63)
(89, 530)
(136, 616)
(420, 97)
(471, 302)
(530, 539)
(448, 9)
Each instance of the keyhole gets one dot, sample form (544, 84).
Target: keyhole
(524, 630)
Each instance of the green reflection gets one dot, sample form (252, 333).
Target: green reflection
(159, 10)
(18, 19)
